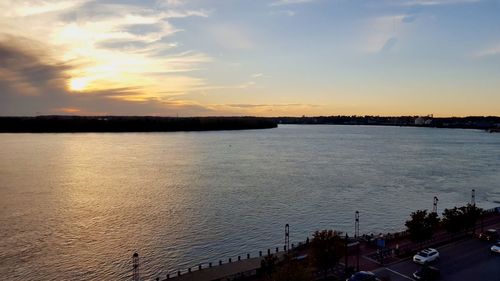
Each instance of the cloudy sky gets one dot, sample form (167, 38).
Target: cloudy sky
(250, 57)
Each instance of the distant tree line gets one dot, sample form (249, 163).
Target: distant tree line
(160, 124)
(471, 122)
(130, 124)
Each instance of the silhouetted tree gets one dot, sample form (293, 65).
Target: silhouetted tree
(422, 225)
(451, 220)
(291, 270)
(471, 214)
(268, 265)
(327, 248)
(457, 219)
(432, 222)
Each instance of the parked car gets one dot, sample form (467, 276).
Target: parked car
(427, 273)
(426, 256)
(363, 276)
(496, 247)
(489, 235)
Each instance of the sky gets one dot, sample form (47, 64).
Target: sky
(250, 57)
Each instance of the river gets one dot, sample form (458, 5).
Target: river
(77, 206)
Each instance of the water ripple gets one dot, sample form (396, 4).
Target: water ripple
(77, 206)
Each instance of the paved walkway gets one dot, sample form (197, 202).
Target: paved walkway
(221, 271)
(244, 267)
(368, 257)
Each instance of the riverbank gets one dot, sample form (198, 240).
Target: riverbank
(61, 124)
(362, 253)
(74, 124)
(488, 123)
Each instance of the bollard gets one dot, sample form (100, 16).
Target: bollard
(179, 273)
(189, 270)
(284, 248)
(277, 250)
(199, 267)
(168, 276)
(229, 259)
(220, 262)
(239, 258)
(157, 278)
(268, 252)
(248, 256)
(260, 253)
(209, 264)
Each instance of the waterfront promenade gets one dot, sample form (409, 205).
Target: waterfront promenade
(228, 270)
(397, 250)
(247, 267)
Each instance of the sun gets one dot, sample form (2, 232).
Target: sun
(78, 84)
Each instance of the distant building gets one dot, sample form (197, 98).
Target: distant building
(423, 120)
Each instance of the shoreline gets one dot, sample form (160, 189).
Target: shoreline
(398, 248)
(117, 124)
(123, 124)
(487, 123)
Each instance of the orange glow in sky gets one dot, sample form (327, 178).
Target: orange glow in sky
(266, 58)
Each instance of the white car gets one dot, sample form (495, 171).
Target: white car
(496, 247)
(426, 256)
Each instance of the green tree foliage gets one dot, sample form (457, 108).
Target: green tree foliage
(268, 265)
(456, 219)
(451, 220)
(327, 248)
(471, 214)
(291, 270)
(422, 225)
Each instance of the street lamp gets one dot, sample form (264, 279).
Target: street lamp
(473, 198)
(356, 225)
(287, 237)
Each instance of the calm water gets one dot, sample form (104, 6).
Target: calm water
(76, 206)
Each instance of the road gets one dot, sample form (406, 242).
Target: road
(465, 260)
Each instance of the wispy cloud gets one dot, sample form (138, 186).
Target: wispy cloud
(30, 84)
(109, 46)
(231, 36)
(87, 57)
(171, 2)
(13, 8)
(250, 105)
(489, 51)
(289, 2)
(381, 34)
(288, 13)
(435, 2)
(268, 109)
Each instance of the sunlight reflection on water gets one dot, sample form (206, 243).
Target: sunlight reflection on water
(76, 206)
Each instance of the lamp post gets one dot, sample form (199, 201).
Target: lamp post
(435, 205)
(356, 225)
(346, 255)
(357, 256)
(473, 197)
(356, 235)
(135, 264)
(287, 237)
